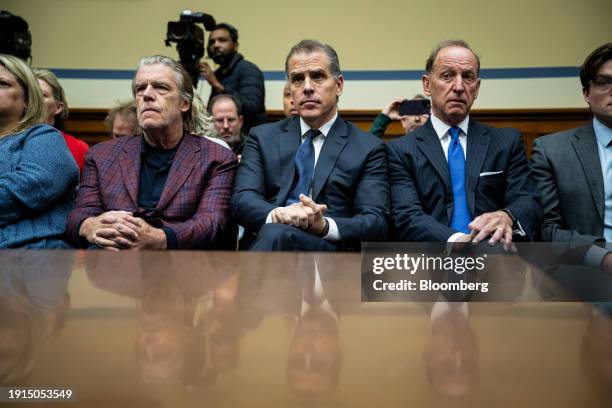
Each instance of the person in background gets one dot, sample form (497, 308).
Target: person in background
(391, 112)
(57, 110)
(226, 111)
(122, 121)
(288, 105)
(235, 75)
(38, 175)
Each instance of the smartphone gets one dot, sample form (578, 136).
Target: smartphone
(415, 107)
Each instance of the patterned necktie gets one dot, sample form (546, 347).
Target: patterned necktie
(304, 166)
(456, 166)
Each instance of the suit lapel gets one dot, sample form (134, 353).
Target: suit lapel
(335, 141)
(478, 143)
(182, 165)
(129, 162)
(429, 143)
(288, 143)
(585, 144)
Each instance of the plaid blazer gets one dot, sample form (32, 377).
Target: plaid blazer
(194, 202)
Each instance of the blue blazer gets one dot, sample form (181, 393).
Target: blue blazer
(497, 177)
(350, 178)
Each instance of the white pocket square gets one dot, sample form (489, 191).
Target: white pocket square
(490, 173)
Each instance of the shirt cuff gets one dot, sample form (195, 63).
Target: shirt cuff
(269, 217)
(451, 240)
(519, 230)
(594, 256)
(454, 237)
(333, 234)
(384, 119)
(171, 242)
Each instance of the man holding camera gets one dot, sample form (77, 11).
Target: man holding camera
(454, 179)
(235, 75)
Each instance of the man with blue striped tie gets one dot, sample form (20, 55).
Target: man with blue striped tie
(454, 179)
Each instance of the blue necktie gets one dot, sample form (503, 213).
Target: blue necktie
(304, 166)
(456, 166)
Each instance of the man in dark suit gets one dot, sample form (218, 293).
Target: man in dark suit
(167, 189)
(438, 192)
(573, 169)
(313, 181)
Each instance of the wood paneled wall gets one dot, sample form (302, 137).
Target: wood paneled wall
(88, 124)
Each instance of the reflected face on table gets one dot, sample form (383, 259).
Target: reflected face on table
(596, 353)
(315, 355)
(451, 355)
(160, 337)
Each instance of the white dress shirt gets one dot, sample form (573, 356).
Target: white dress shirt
(443, 132)
(333, 234)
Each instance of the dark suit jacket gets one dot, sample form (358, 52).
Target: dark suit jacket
(567, 171)
(421, 192)
(194, 202)
(350, 178)
(244, 80)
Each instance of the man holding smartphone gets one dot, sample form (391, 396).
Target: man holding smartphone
(412, 114)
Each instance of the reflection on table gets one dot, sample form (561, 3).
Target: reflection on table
(166, 329)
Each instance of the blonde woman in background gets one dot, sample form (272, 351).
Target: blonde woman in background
(57, 109)
(37, 173)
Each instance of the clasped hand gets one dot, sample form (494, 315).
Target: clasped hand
(306, 215)
(117, 230)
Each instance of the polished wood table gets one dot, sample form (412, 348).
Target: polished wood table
(226, 329)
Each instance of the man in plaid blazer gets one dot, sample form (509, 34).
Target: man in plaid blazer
(166, 189)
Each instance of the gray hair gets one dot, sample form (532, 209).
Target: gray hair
(127, 111)
(310, 46)
(196, 120)
(446, 44)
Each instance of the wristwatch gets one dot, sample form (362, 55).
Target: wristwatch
(326, 229)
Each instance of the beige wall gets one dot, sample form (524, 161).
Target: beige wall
(367, 34)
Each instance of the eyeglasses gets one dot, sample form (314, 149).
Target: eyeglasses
(603, 84)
